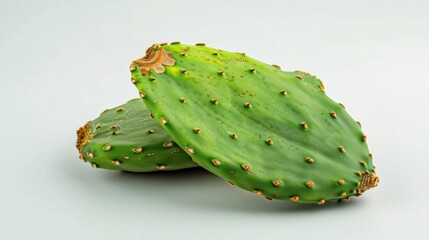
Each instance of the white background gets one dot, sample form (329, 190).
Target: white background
(63, 62)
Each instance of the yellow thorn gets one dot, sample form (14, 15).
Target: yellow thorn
(214, 101)
(304, 125)
(233, 136)
(163, 120)
(150, 131)
(259, 193)
(245, 167)
(142, 94)
(168, 144)
(160, 166)
(138, 150)
(276, 183)
(248, 105)
(216, 162)
(309, 184)
(189, 150)
(107, 148)
(294, 198)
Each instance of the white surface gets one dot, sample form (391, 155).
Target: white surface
(62, 62)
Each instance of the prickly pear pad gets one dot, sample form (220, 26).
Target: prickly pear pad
(127, 138)
(265, 130)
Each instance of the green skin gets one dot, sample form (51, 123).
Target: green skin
(125, 129)
(234, 139)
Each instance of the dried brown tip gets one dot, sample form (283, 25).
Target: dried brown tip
(368, 180)
(155, 59)
(84, 135)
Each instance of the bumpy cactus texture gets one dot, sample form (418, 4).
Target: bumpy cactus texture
(127, 138)
(268, 131)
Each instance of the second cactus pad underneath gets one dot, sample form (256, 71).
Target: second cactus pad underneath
(127, 138)
(265, 130)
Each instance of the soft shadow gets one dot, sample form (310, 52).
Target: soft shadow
(200, 188)
(193, 188)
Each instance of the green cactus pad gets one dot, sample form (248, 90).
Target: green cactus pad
(127, 138)
(268, 131)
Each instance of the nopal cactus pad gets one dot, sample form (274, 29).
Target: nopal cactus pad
(127, 138)
(268, 131)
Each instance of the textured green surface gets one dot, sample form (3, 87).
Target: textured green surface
(127, 138)
(268, 131)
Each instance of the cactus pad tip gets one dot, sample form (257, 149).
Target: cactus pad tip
(155, 59)
(369, 180)
(84, 134)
